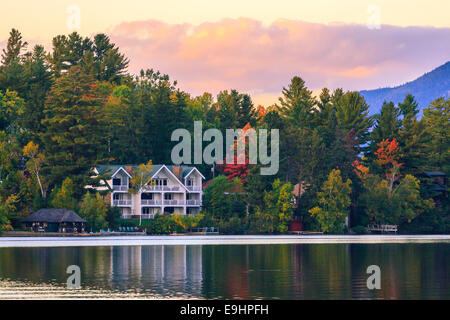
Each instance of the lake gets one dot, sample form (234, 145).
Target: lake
(273, 271)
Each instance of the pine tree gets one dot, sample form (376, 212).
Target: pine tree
(352, 114)
(413, 138)
(14, 48)
(39, 81)
(436, 119)
(74, 137)
(297, 105)
(12, 75)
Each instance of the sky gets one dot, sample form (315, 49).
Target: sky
(254, 46)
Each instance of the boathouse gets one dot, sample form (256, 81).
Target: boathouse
(55, 220)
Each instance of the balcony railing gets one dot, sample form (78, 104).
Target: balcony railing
(174, 202)
(136, 216)
(194, 202)
(122, 202)
(163, 188)
(194, 188)
(120, 188)
(171, 202)
(145, 202)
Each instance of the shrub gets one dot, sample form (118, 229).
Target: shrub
(359, 230)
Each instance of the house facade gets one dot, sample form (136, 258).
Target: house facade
(173, 190)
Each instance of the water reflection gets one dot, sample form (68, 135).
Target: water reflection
(304, 271)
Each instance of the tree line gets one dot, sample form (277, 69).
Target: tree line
(65, 111)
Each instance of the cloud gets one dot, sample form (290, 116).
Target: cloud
(260, 59)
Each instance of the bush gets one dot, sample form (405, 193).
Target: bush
(234, 225)
(167, 224)
(359, 230)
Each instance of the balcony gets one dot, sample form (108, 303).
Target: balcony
(147, 202)
(164, 188)
(120, 188)
(119, 203)
(136, 216)
(194, 188)
(173, 202)
(193, 202)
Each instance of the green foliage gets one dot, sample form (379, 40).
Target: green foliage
(333, 202)
(7, 207)
(64, 197)
(359, 230)
(11, 109)
(399, 204)
(141, 178)
(64, 112)
(436, 118)
(215, 200)
(278, 204)
(352, 114)
(167, 224)
(113, 217)
(73, 139)
(94, 210)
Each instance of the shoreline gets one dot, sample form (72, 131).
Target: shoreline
(10, 242)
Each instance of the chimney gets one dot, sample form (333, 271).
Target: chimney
(129, 169)
(178, 172)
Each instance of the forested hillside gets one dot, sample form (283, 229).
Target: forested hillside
(429, 87)
(65, 111)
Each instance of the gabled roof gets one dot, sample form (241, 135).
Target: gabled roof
(192, 170)
(52, 215)
(121, 169)
(113, 168)
(172, 174)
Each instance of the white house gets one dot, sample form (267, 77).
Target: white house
(174, 189)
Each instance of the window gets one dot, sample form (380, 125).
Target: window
(160, 182)
(169, 210)
(168, 196)
(147, 196)
(146, 210)
(117, 196)
(190, 182)
(117, 182)
(188, 196)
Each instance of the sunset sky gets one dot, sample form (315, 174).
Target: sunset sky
(255, 46)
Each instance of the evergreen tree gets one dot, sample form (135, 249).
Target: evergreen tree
(436, 119)
(352, 114)
(12, 75)
(413, 138)
(74, 137)
(39, 81)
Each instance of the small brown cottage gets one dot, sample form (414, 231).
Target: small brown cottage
(55, 220)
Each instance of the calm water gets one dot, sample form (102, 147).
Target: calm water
(302, 271)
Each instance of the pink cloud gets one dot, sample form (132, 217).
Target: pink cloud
(252, 57)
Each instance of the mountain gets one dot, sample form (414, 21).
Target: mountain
(425, 89)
